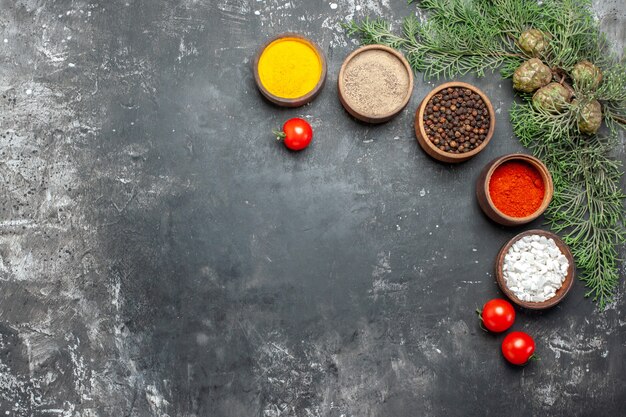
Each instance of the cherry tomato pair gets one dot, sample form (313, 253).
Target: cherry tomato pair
(497, 316)
(296, 134)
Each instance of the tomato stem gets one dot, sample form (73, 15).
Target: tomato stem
(280, 135)
(480, 316)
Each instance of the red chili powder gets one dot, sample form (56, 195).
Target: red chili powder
(516, 189)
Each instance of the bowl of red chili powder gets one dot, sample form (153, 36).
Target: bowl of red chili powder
(514, 189)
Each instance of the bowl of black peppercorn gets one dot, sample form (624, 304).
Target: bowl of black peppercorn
(454, 122)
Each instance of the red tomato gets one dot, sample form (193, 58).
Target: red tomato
(296, 134)
(518, 348)
(497, 315)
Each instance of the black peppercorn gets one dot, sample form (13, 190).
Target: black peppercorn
(456, 120)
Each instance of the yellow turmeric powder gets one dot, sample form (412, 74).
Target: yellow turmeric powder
(289, 68)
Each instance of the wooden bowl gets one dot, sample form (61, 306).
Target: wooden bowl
(486, 203)
(370, 118)
(560, 293)
(298, 101)
(434, 151)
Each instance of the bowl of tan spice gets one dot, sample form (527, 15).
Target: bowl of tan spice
(375, 83)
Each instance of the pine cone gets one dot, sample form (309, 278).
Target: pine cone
(533, 42)
(586, 75)
(590, 117)
(552, 98)
(531, 75)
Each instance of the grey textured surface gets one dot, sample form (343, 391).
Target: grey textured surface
(161, 255)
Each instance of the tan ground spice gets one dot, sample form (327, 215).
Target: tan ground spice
(376, 83)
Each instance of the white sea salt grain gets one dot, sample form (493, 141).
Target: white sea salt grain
(534, 268)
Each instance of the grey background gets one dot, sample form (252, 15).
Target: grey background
(161, 255)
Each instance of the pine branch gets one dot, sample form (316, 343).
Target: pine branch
(588, 205)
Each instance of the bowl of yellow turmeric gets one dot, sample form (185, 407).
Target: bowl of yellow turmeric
(290, 70)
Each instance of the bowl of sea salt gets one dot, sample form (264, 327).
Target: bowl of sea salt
(535, 269)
